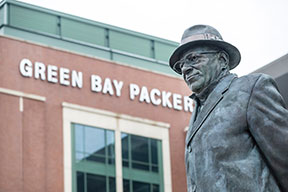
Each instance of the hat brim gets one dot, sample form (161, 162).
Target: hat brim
(232, 51)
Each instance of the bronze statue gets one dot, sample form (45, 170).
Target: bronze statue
(238, 133)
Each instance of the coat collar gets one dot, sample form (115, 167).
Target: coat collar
(213, 99)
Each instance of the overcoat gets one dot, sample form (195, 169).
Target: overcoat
(239, 140)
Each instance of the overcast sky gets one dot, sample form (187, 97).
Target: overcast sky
(258, 28)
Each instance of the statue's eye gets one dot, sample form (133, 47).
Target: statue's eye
(192, 58)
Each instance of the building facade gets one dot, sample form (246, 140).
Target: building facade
(278, 69)
(87, 106)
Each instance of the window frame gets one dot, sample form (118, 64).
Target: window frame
(119, 123)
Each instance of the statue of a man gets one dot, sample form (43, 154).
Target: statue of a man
(238, 133)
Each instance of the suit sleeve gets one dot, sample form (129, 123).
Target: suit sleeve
(267, 118)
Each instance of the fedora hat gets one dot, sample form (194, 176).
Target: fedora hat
(203, 35)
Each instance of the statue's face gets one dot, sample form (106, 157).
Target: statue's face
(200, 67)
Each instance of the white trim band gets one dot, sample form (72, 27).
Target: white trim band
(22, 94)
(116, 115)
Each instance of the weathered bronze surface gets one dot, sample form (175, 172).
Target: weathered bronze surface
(238, 133)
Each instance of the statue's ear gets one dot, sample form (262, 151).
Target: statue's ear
(224, 59)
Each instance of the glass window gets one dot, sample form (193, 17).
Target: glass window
(94, 141)
(155, 188)
(80, 182)
(141, 160)
(79, 142)
(126, 185)
(87, 182)
(96, 183)
(112, 184)
(110, 146)
(137, 186)
(94, 144)
(93, 159)
(140, 152)
(141, 187)
(125, 149)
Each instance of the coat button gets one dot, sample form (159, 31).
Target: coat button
(194, 188)
(189, 149)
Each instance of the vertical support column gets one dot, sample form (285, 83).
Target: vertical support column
(21, 106)
(107, 42)
(107, 38)
(67, 148)
(160, 165)
(118, 159)
(6, 14)
(149, 155)
(59, 27)
(165, 159)
(152, 49)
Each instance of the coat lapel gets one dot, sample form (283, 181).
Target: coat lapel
(192, 120)
(213, 99)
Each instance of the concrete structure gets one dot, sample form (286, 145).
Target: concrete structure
(278, 69)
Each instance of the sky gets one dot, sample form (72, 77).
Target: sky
(258, 28)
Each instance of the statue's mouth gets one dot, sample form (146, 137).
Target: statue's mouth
(192, 77)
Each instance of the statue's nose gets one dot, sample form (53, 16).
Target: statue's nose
(186, 69)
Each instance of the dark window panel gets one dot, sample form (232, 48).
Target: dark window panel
(155, 188)
(126, 185)
(154, 151)
(111, 161)
(96, 183)
(155, 169)
(112, 184)
(80, 181)
(125, 164)
(139, 147)
(141, 187)
(125, 149)
(140, 166)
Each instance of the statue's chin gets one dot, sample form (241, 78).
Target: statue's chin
(196, 86)
(195, 89)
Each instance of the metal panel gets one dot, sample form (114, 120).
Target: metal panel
(54, 42)
(1, 15)
(282, 85)
(130, 43)
(85, 36)
(33, 20)
(83, 31)
(149, 65)
(163, 51)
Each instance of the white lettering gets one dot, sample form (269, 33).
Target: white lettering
(177, 101)
(144, 95)
(64, 76)
(134, 90)
(26, 68)
(154, 92)
(107, 87)
(52, 73)
(77, 79)
(118, 86)
(165, 99)
(188, 104)
(96, 83)
(39, 71)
